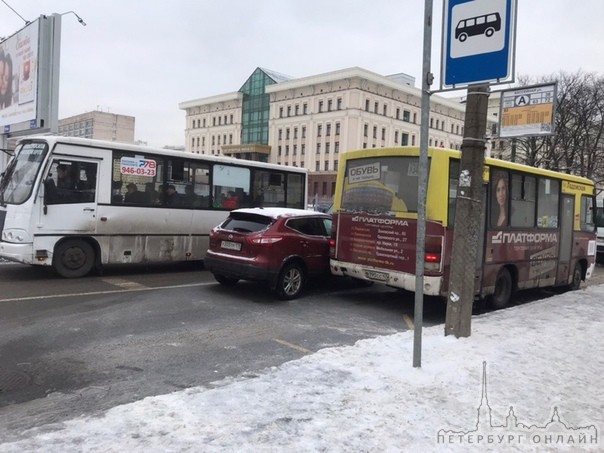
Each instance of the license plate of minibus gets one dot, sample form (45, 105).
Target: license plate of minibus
(374, 275)
(231, 245)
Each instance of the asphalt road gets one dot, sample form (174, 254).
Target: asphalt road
(74, 347)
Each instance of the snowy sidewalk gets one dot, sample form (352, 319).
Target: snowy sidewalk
(544, 367)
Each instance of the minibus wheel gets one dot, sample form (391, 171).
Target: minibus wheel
(577, 277)
(503, 289)
(73, 258)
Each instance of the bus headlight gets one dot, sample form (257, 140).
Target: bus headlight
(16, 236)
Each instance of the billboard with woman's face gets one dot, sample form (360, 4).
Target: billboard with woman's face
(19, 76)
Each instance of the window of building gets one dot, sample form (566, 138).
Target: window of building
(383, 133)
(327, 147)
(374, 131)
(319, 130)
(376, 107)
(326, 165)
(385, 110)
(280, 112)
(280, 134)
(339, 103)
(214, 121)
(324, 188)
(318, 148)
(320, 106)
(337, 128)
(297, 110)
(406, 115)
(231, 119)
(289, 111)
(404, 139)
(302, 148)
(295, 150)
(303, 131)
(366, 105)
(398, 113)
(317, 166)
(305, 108)
(395, 137)
(328, 129)
(335, 165)
(336, 147)
(295, 132)
(280, 149)
(365, 130)
(287, 150)
(329, 105)
(287, 133)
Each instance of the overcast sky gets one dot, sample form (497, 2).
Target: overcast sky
(142, 58)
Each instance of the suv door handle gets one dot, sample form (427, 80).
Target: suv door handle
(88, 209)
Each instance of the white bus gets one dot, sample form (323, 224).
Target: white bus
(77, 204)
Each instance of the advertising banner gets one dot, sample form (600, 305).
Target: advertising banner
(19, 76)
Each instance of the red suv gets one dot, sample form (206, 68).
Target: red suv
(276, 245)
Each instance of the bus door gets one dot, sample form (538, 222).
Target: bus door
(566, 237)
(70, 195)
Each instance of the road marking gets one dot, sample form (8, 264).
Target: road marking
(409, 322)
(293, 346)
(122, 283)
(97, 293)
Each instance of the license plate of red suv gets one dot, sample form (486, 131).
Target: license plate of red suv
(230, 245)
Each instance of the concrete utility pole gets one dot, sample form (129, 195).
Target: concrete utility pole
(468, 215)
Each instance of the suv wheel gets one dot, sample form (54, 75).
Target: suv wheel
(290, 282)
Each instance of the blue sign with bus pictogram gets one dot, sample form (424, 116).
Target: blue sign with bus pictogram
(478, 42)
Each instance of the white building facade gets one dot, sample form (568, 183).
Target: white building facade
(308, 122)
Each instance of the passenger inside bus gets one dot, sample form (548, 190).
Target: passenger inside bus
(171, 196)
(133, 195)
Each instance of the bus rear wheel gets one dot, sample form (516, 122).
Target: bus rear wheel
(503, 290)
(73, 258)
(577, 277)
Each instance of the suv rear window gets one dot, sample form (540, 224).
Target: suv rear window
(246, 223)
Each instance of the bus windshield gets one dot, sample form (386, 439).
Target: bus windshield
(20, 175)
(381, 185)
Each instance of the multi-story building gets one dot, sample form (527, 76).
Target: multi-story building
(99, 125)
(308, 122)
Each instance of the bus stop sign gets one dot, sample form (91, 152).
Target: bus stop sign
(478, 42)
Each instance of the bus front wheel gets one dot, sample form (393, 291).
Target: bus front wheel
(73, 258)
(503, 290)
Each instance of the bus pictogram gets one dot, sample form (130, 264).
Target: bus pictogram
(486, 24)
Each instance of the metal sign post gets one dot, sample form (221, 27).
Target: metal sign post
(418, 317)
